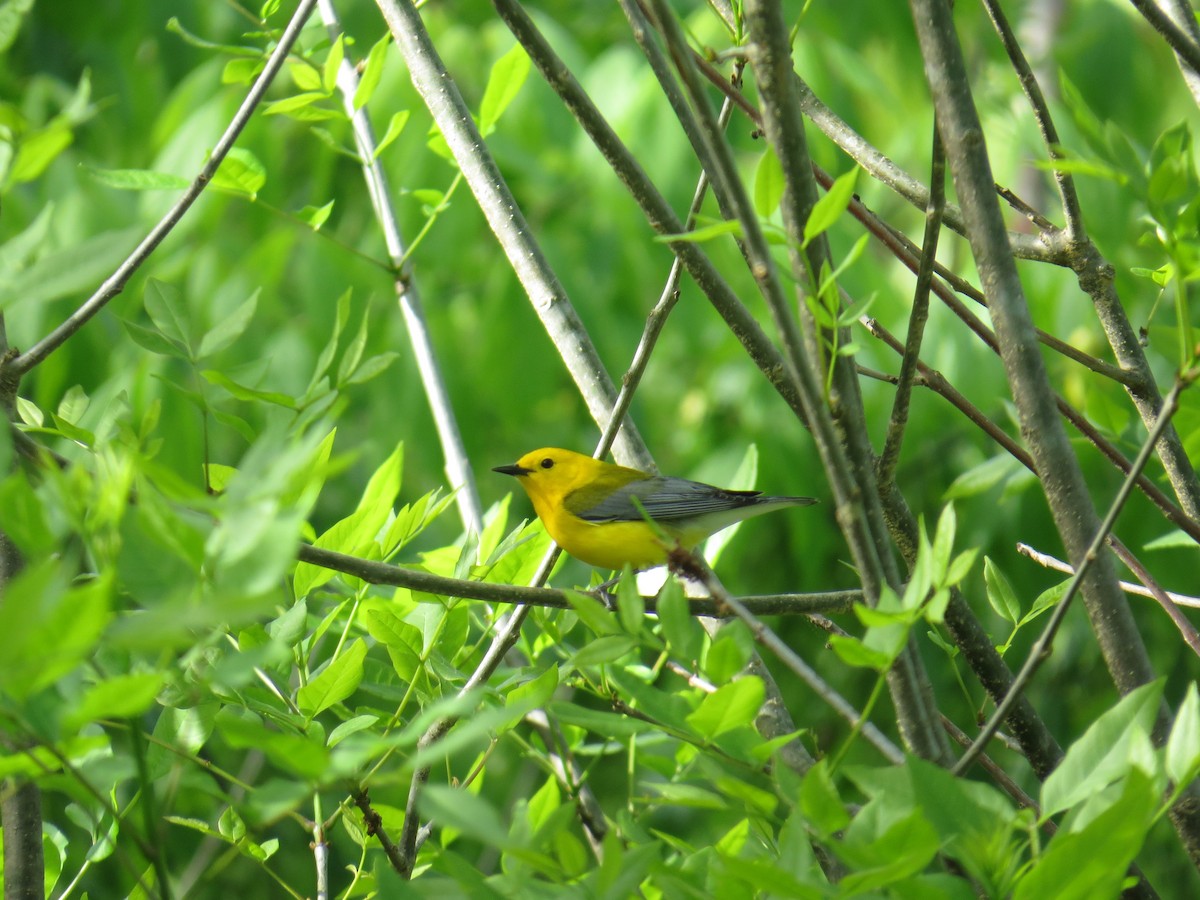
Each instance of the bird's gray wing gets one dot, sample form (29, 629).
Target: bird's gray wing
(663, 499)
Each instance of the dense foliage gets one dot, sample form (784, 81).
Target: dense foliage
(332, 346)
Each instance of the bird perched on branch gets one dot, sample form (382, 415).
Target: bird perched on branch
(598, 511)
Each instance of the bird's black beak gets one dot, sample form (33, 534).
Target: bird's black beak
(514, 470)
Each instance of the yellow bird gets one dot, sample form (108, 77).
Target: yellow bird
(594, 509)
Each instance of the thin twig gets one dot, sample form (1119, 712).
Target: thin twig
(1094, 272)
(1050, 562)
(1170, 602)
(374, 827)
(116, 282)
(890, 455)
(998, 774)
(567, 771)
(1072, 211)
(1044, 247)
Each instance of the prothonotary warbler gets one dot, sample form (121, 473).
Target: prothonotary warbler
(594, 509)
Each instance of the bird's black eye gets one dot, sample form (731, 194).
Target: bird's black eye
(547, 463)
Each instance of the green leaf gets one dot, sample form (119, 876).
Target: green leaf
(250, 395)
(731, 706)
(19, 251)
(73, 405)
(341, 316)
(1047, 599)
(983, 477)
(1182, 759)
(295, 103)
(829, 208)
(46, 628)
(37, 150)
(336, 682)
(943, 543)
(683, 633)
(118, 697)
(819, 800)
(728, 653)
(373, 367)
(229, 329)
(333, 61)
(154, 341)
(593, 613)
(168, 311)
(349, 727)
(1172, 540)
(289, 627)
(395, 125)
(768, 184)
(631, 609)
(241, 71)
(883, 855)
(1094, 861)
(354, 351)
(12, 17)
(464, 811)
(1000, 593)
(854, 652)
(65, 271)
(137, 179)
(29, 413)
(604, 650)
(305, 76)
(536, 692)
(504, 83)
(1102, 755)
(372, 71)
(356, 533)
(315, 216)
(240, 173)
(305, 756)
(705, 233)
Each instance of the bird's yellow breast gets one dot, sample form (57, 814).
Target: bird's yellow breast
(608, 545)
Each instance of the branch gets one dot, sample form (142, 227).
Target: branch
(1187, 51)
(458, 468)
(657, 319)
(383, 573)
(1072, 212)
